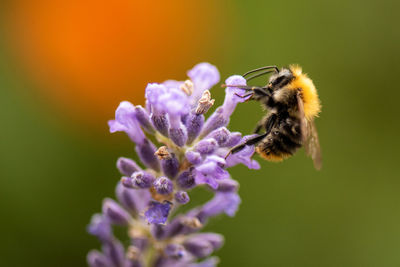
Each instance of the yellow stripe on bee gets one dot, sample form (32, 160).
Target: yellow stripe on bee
(312, 105)
(272, 157)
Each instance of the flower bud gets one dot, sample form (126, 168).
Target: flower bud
(178, 135)
(182, 197)
(227, 203)
(202, 245)
(100, 227)
(157, 212)
(160, 122)
(115, 213)
(194, 124)
(234, 139)
(133, 200)
(115, 252)
(97, 259)
(174, 251)
(221, 135)
(198, 247)
(193, 157)
(206, 146)
(146, 154)
(144, 119)
(127, 166)
(216, 240)
(186, 179)
(142, 179)
(227, 185)
(215, 121)
(169, 162)
(163, 186)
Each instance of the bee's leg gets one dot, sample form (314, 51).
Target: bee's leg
(270, 122)
(244, 96)
(251, 141)
(267, 123)
(256, 89)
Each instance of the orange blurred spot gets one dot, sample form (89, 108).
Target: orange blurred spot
(89, 55)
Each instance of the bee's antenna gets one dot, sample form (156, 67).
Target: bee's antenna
(259, 74)
(262, 68)
(233, 85)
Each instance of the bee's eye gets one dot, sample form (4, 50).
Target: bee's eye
(278, 80)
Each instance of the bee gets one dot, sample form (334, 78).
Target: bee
(292, 104)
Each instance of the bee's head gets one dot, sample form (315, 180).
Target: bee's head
(280, 79)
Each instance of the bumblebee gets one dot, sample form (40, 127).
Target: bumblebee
(292, 103)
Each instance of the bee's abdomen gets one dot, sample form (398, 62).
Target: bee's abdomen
(282, 142)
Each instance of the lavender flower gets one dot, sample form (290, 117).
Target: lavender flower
(190, 152)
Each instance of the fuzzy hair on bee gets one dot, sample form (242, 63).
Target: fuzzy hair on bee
(291, 101)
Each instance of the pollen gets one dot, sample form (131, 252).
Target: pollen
(187, 87)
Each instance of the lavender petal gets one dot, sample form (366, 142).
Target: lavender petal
(182, 197)
(144, 119)
(160, 122)
(158, 212)
(100, 227)
(115, 213)
(186, 179)
(194, 124)
(142, 180)
(163, 186)
(170, 166)
(133, 200)
(146, 154)
(97, 259)
(127, 166)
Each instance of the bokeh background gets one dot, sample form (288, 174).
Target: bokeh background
(65, 65)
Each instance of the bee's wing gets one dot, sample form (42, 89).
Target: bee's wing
(303, 121)
(309, 136)
(312, 146)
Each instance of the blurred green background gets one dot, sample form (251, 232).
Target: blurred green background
(57, 159)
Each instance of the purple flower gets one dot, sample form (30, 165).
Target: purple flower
(100, 227)
(221, 116)
(193, 157)
(204, 76)
(227, 203)
(244, 156)
(133, 200)
(115, 252)
(125, 121)
(180, 147)
(139, 179)
(182, 197)
(127, 166)
(158, 212)
(97, 259)
(175, 251)
(211, 170)
(187, 179)
(115, 213)
(202, 245)
(163, 186)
